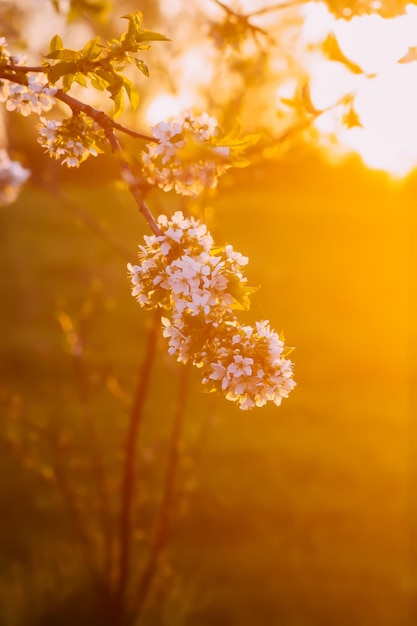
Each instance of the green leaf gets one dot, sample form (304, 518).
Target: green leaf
(65, 55)
(118, 100)
(81, 79)
(98, 82)
(67, 81)
(60, 69)
(332, 50)
(108, 76)
(56, 43)
(132, 92)
(240, 294)
(302, 102)
(351, 118)
(135, 20)
(149, 35)
(91, 49)
(305, 95)
(142, 67)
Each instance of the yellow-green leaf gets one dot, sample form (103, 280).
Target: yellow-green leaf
(91, 50)
(132, 92)
(141, 65)
(118, 100)
(148, 35)
(60, 69)
(56, 43)
(65, 55)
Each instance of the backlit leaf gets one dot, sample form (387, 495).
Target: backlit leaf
(56, 43)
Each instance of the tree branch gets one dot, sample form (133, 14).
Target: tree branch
(76, 105)
(104, 120)
(129, 467)
(164, 518)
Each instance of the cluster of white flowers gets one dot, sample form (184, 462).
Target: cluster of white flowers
(186, 157)
(12, 177)
(199, 285)
(34, 97)
(73, 140)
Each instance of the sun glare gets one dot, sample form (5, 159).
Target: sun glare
(164, 106)
(384, 96)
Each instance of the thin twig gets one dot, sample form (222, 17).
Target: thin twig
(277, 7)
(109, 126)
(268, 9)
(131, 180)
(242, 18)
(76, 105)
(130, 459)
(25, 69)
(104, 120)
(227, 9)
(306, 122)
(164, 518)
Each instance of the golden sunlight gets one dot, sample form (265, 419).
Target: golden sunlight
(189, 80)
(385, 96)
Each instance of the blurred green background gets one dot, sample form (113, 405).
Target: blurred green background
(292, 516)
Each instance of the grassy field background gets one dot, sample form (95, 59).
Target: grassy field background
(297, 516)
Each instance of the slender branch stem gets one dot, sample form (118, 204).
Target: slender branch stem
(242, 18)
(228, 9)
(308, 121)
(164, 518)
(76, 105)
(131, 180)
(25, 69)
(268, 9)
(277, 7)
(130, 459)
(108, 125)
(99, 116)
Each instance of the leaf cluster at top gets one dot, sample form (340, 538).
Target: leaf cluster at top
(103, 63)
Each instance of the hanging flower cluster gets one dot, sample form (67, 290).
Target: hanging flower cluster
(73, 140)
(12, 177)
(199, 286)
(187, 157)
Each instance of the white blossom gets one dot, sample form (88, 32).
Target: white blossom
(12, 178)
(34, 97)
(197, 284)
(73, 140)
(251, 369)
(186, 157)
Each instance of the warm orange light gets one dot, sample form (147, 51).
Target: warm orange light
(384, 95)
(164, 106)
(385, 98)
